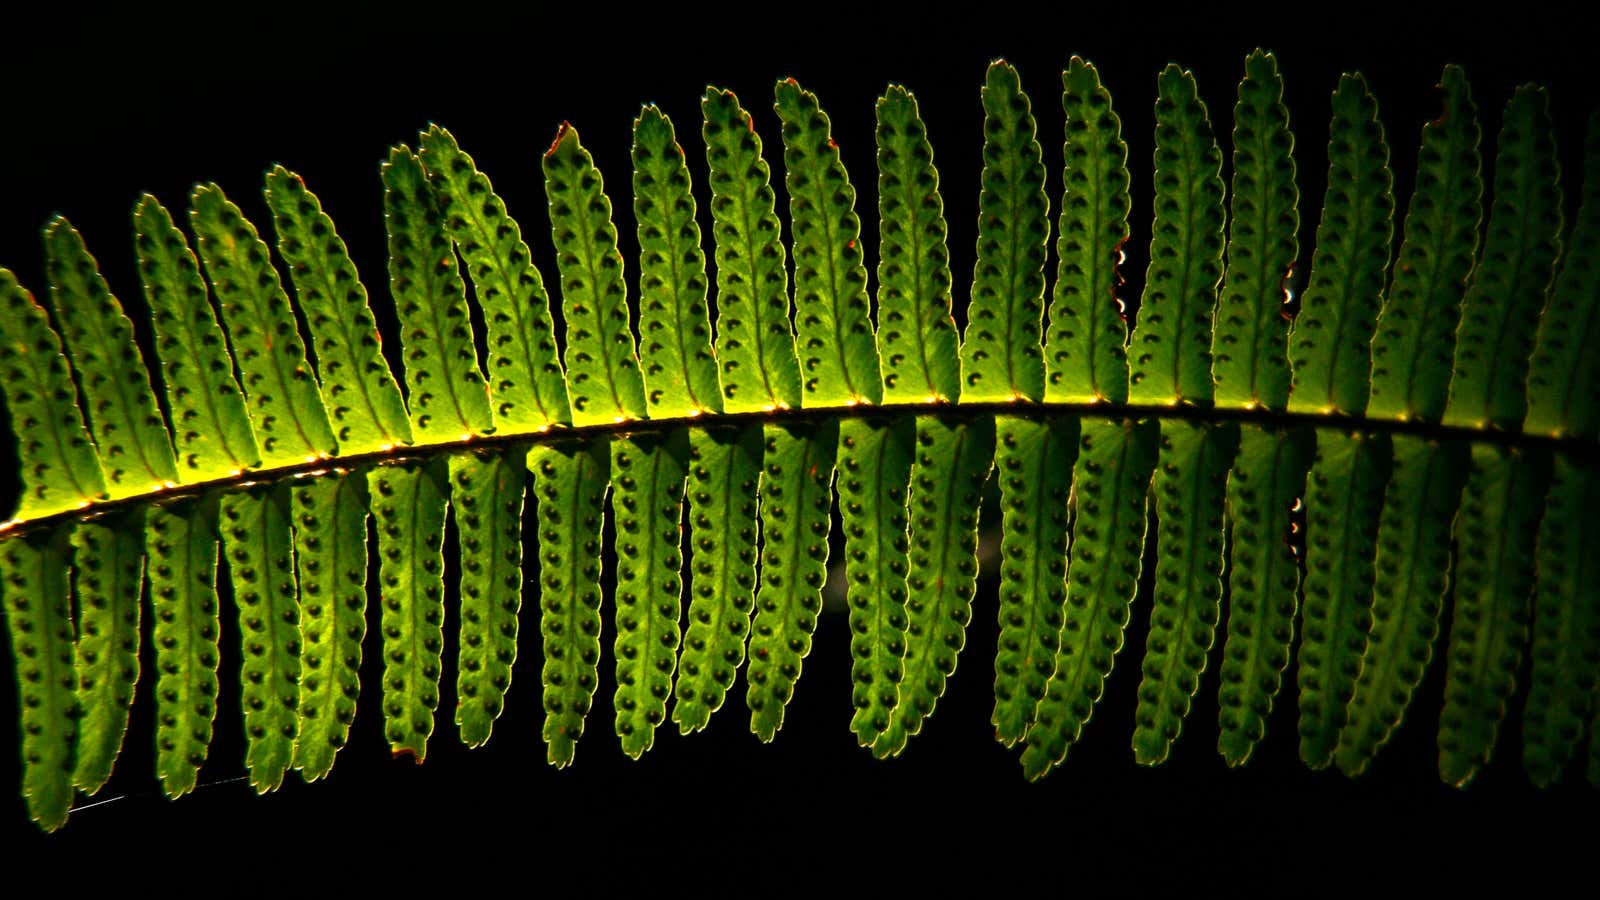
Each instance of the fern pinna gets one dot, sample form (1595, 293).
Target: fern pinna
(1426, 417)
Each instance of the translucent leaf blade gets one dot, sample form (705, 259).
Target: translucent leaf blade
(486, 500)
(364, 404)
(1331, 344)
(1170, 352)
(33, 581)
(211, 429)
(129, 433)
(680, 371)
(1086, 360)
(60, 469)
(755, 339)
(445, 391)
(1001, 358)
(282, 395)
(526, 384)
(917, 342)
(835, 345)
(602, 363)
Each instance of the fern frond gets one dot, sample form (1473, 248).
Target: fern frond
(874, 482)
(1085, 357)
(257, 538)
(33, 582)
(61, 468)
(1412, 351)
(1331, 344)
(445, 391)
(1412, 573)
(836, 345)
(1171, 345)
(1265, 486)
(647, 478)
(109, 578)
(675, 337)
(1496, 536)
(755, 339)
(1111, 488)
(210, 428)
(570, 481)
(134, 447)
(526, 385)
(1488, 385)
(182, 544)
(1344, 498)
(283, 399)
(1001, 357)
(1189, 491)
(330, 557)
(916, 332)
(796, 499)
(408, 501)
(1563, 382)
(602, 364)
(1250, 343)
(1033, 462)
(724, 468)
(951, 463)
(486, 500)
(363, 400)
(1566, 624)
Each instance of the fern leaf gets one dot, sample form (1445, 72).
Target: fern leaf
(570, 482)
(1507, 295)
(675, 335)
(1190, 490)
(1344, 497)
(1085, 357)
(1412, 351)
(1250, 343)
(836, 346)
(363, 399)
(60, 468)
(1412, 569)
(486, 499)
(1496, 536)
(259, 543)
(724, 468)
(181, 541)
(916, 331)
(526, 383)
(1111, 486)
(874, 479)
(1267, 481)
(647, 476)
(1033, 461)
(330, 556)
(796, 502)
(1563, 383)
(408, 502)
(210, 427)
(109, 563)
(602, 367)
(446, 393)
(952, 462)
(284, 402)
(1331, 345)
(33, 581)
(1001, 357)
(1566, 626)
(135, 449)
(1171, 345)
(755, 339)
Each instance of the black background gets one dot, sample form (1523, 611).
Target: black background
(101, 107)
